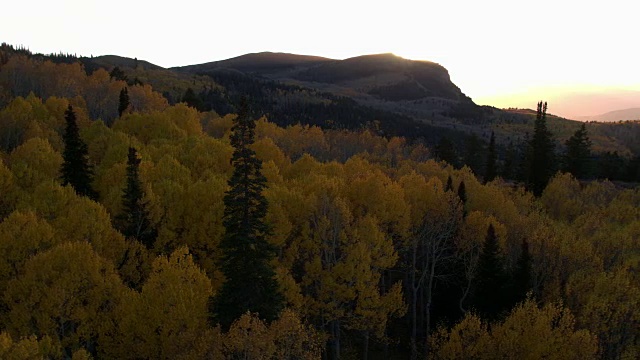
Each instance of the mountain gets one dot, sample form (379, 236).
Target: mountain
(420, 90)
(618, 115)
(109, 61)
(386, 76)
(263, 63)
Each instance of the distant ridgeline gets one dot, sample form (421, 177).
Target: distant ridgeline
(148, 213)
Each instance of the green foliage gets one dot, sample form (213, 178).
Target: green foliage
(76, 170)
(250, 283)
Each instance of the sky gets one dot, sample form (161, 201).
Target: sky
(505, 53)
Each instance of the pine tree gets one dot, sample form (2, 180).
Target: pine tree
(462, 195)
(134, 221)
(250, 280)
(577, 158)
(509, 167)
(541, 163)
(521, 280)
(118, 74)
(123, 101)
(491, 278)
(76, 170)
(490, 171)
(449, 186)
(446, 151)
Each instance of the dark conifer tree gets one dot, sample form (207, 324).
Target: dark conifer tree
(541, 163)
(522, 160)
(490, 171)
(192, 99)
(118, 74)
(509, 167)
(134, 221)
(611, 166)
(449, 186)
(76, 170)
(473, 155)
(491, 280)
(446, 151)
(462, 195)
(633, 170)
(578, 156)
(123, 103)
(521, 280)
(250, 280)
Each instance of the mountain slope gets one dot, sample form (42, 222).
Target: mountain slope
(420, 90)
(618, 115)
(257, 63)
(387, 76)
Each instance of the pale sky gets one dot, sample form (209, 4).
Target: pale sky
(500, 53)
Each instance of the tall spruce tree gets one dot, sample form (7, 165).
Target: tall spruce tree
(578, 157)
(490, 171)
(521, 279)
(250, 280)
(462, 195)
(134, 221)
(489, 296)
(123, 102)
(449, 186)
(541, 164)
(76, 170)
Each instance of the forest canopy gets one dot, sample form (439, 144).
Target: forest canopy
(379, 247)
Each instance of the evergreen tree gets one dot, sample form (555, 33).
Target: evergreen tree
(192, 99)
(250, 280)
(633, 170)
(445, 151)
(462, 195)
(449, 186)
(489, 294)
(611, 166)
(521, 166)
(473, 156)
(508, 169)
(134, 221)
(118, 74)
(490, 171)
(76, 170)
(123, 101)
(577, 158)
(521, 280)
(541, 159)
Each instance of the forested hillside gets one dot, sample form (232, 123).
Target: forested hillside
(117, 220)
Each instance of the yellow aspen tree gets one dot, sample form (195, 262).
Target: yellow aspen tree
(168, 315)
(35, 162)
(69, 293)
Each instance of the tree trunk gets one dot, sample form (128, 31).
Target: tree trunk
(365, 346)
(414, 302)
(335, 339)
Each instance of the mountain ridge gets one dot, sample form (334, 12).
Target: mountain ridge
(616, 115)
